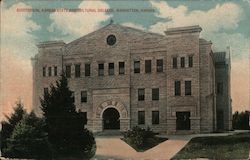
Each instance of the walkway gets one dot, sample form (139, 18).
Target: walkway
(113, 148)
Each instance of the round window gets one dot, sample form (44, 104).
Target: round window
(111, 39)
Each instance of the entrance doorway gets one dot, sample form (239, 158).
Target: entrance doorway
(111, 119)
(183, 121)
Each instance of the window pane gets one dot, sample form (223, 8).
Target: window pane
(121, 67)
(155, 94)
(141, 94)
(136, 66)
(188, 87)
(45, 91)
(177, 87)
(141, 117)
(147, 66)
(68, 71)
(101, 69)
(111, 69)
(87, 69)
(155, 117)
(182, 62)
(77, 70)
(190, 61)
(44, 71)
(50, 71)
(159, 65)
(83, 96)
(73, 97)
(55, 71)
(175, 62)
(84, 117)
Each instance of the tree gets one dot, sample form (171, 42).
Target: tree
(64, 125)
(28, 139)
(9, 124)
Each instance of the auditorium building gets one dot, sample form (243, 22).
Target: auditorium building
(123, 77)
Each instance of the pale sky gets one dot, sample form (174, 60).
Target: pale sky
(225, 23)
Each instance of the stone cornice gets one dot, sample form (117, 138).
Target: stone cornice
(50, 44)
(179, 30)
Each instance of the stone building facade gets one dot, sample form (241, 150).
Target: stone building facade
(124, 77)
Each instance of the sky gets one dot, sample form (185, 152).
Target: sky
(225, 23)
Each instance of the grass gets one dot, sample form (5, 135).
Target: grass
(219, 148)
(149, 143)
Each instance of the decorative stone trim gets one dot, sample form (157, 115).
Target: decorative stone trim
(112, 104)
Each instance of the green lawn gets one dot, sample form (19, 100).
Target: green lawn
(226, 147)
(149, 143)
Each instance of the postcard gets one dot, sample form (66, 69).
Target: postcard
(124, 79)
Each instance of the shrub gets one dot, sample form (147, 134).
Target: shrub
(241, 120)
(137, 136)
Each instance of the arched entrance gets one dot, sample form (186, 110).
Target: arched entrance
(111, 119)
(110, 108)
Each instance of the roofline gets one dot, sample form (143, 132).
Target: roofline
(78, 39)
(187, 29)
(50, 43)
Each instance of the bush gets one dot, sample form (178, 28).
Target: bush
(138, 136)
(241, 120)
(88, 144)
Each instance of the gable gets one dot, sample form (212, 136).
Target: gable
(123, 35)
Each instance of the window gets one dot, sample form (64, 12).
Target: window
(177, 88)
(188, 87)
(121, 67)
(159, 65)
(155, 117)
(55, 70)
(155, 94)
(68, 71)
(175, 62)
(141, 94)
(190, 61)
(84, 117)
(50, 71)
(77, 70)
(73, 96)
(136, 66)
(101, 69)
(87, 70)
(182, 62)
(219, 88)
(111, 39)
(141, 117)
(111, 69)
(147, 66)
(45, 91)
(44, 71)
(84, 96)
